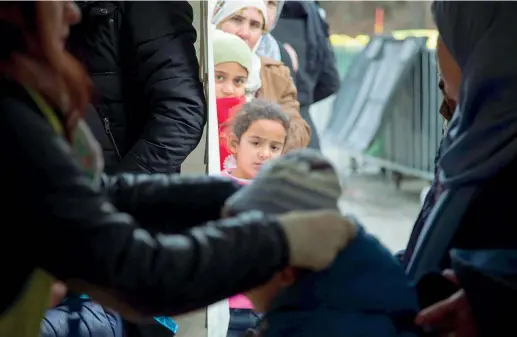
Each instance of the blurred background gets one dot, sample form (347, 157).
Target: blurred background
(359, 17)
(383, 127)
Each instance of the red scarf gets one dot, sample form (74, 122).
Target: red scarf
(226, 108)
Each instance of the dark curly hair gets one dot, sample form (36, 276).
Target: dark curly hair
(258, 110)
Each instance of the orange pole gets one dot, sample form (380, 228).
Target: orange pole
(379, 21)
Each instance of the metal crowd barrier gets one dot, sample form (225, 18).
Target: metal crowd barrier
(392, 102)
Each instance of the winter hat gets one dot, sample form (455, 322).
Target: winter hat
(225, 9)
(299, 180)
(231, 48)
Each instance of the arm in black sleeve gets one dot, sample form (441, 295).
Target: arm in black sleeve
(77, 234)
(328, 82)
(169, 202)
(167, 71)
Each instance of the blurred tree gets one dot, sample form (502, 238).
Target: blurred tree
(358, 17)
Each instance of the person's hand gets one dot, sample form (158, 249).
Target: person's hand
(451, 316)
(316, 237)
(57, 294)
(293, 55)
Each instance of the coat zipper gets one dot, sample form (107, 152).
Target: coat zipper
(107, 128)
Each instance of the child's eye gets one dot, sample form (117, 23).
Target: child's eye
(276, 148)
(219, 78)
(240, 82)
(237, 19)
(254, 142)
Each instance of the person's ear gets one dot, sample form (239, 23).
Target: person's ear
(288, 276)
(233, 143)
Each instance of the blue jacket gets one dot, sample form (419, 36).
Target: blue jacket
(364, 293)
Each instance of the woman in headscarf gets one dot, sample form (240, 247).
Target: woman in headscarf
(270, 80)
(474, 217)
(106, 236)
(430, 195)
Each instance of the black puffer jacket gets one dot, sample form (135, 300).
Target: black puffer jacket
(63, 225)
(148, 95)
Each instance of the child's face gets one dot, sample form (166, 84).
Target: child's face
(230, 80)
(262, 296)
(264, 140)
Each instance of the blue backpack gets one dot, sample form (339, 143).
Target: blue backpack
(89, 319)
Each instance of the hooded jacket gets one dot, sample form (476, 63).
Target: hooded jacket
(348, 298)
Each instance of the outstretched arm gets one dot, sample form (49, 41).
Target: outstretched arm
(169, 203)
(81, 236)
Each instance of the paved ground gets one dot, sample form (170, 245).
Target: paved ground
(383, 209)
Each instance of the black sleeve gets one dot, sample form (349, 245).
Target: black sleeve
(328, 81)
(169, 202)
(76, 233)
(162, 37)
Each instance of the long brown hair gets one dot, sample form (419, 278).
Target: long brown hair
(43, 66)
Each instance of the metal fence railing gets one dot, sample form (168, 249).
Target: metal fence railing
(412, 132)
(408, 138)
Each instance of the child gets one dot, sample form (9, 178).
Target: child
(364, 293)
(258, 134)
(232, 64)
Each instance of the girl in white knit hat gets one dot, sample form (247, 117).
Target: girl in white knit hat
(232, 62)
(232, 65)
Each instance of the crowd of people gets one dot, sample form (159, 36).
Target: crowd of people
(101, 103)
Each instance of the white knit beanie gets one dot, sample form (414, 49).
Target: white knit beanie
(231, 48)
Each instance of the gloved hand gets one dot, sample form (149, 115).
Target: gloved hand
(302, 189)
(316, 237)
